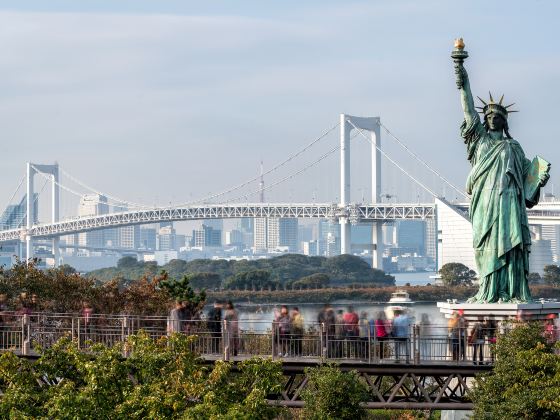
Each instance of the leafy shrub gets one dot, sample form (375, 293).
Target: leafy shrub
(334, 394)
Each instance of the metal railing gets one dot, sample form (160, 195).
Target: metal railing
(415, 344)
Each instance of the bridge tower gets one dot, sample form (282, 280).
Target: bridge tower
(52, 170)
(372, 125)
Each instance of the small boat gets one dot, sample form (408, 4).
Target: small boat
(399, 302)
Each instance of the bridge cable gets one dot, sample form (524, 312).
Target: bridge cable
(274, 168)
(17, 189)
(423, 162)
(113, 198)
(322, 157)
(391, 160)
(34, 201)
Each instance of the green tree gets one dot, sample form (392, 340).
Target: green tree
(181, 290)
(333, 394)
(457, 274)
(314, 281)
(552, 274)
(525, 382)
(534, 278)
(252, 280)
(127, 262)
(161, 379)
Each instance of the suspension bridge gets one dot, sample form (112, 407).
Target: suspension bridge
(229, 203)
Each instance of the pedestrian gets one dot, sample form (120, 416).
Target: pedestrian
(363, 326)
(297, 324)
(490, 330)
(462, 324)
(174, 320)
(425, 333)
(476, 340)
(327, 321)
(214, 322)
(453, 335)
(351, 331)
(339, 333)
(232, 322)
(381, 333)
(87, 320)
(283, 326)
(401, 332)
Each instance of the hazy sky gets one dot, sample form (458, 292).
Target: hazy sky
(167, 101)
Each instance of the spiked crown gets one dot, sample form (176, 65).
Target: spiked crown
(491, 107)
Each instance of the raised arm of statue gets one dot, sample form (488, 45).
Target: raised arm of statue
(462, 80)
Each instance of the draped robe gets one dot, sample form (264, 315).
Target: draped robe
(498, 212)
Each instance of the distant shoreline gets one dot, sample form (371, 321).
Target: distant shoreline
(379, 295)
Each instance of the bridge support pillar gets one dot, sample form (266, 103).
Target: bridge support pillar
(345, 231)
(371, 125)
(52, 170)
(29, 212)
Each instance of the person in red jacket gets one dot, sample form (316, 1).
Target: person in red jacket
(351, 331)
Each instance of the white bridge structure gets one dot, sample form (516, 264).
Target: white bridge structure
(345, 212)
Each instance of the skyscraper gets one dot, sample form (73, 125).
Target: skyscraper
(166, 239)
(412, 234)
(14, 216)
(92, 205)
(271, 233)
(206, 236)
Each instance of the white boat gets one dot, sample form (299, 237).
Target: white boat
(399, 302)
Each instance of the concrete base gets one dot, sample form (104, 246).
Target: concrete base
(501, 311)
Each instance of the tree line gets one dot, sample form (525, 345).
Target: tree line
(286, 272)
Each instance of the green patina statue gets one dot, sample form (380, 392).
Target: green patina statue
(502, 184)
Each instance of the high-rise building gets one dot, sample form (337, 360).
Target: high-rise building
(246, 224)
(148, 238)
(166, 239)
(260, 236)
(271, 233)
(431, 239)
(15, 215)
(412, 234)
(234, 237)
(311, 248)
(129, 237)
(552, 233)
(329, 238)
(180, 241)
(206, 236)
(92, 205)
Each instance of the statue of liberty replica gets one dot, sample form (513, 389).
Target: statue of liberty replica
(502, 184)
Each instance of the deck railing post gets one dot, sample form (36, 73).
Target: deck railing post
(416, 344)
(368, 343)
(225, 340)
(321, 341)
(273, 336)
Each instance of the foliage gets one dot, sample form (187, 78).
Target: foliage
(525, 382)
(552, 275)
(181, 290)
(314, 281)
(61, 290)
(334, 394)
(160, 379)
(251, 280)
(457, 274)
(284, 270)
(534, 278)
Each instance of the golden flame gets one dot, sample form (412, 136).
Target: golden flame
(459, 43)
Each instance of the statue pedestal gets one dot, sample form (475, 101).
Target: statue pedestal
(501, 311)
